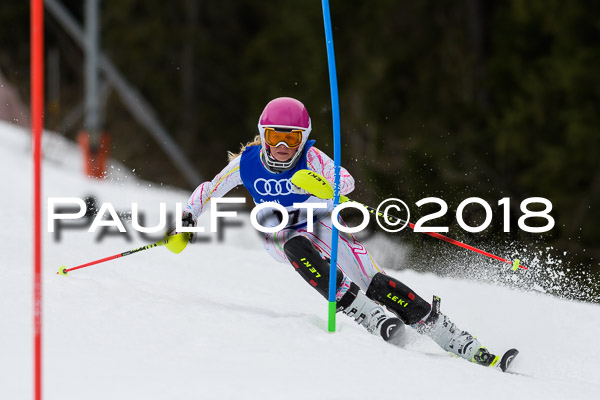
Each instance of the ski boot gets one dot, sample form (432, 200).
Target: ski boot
(452, 339)
(371, 315)
(487, 359)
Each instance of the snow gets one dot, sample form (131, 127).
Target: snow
(222, 320)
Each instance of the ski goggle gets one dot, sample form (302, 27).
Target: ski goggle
(291, 139)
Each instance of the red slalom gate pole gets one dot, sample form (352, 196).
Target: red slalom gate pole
(37, 123)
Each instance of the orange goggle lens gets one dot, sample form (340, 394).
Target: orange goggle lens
(292, 139)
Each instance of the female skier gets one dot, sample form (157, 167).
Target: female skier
(264, 167)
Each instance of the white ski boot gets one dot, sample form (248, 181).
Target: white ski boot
(370, 314)
(452, 339)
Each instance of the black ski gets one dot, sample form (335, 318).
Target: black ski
(507, 359)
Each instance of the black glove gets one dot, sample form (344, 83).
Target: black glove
(187, 221)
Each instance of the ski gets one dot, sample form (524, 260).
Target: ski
(504, 362)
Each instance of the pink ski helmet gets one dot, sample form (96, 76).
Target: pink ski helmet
(284, 113)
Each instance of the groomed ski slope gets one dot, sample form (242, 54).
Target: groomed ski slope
(222, 320)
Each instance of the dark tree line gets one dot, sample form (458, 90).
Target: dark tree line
(451, 99)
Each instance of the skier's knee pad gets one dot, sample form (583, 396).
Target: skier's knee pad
(398, 298)
(307, 260)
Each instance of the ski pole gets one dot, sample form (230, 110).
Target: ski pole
(321, 188)
(393, 218)
(174, 243)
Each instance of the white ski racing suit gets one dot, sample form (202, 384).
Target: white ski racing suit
(353, 258)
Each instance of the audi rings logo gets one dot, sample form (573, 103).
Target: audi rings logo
(273, 187)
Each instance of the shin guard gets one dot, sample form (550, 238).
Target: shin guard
(310, 265)
(398, 298)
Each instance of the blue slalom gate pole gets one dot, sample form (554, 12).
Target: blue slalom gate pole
(335, 110)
